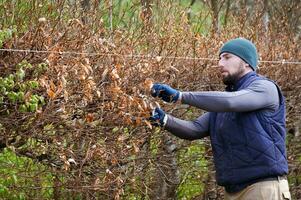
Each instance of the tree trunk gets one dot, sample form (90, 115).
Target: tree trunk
(146, 12)
(189, 10)
(167, 174)
(265, 16)
(211, 190)
(215, 13)
(227, 12)
(56, 188)
(85, 5)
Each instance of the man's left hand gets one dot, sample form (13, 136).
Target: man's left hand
(165, 92)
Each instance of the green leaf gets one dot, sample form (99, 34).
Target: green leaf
(9, 83)
(33, 84)
(12, 96)
(11, 77)
(15, 178)
(20, 74)
(20, 96)
(34, 99)
(22, 87)
(115, 129)
(3, 189)
(23, 108)
(42, 100)
(33, 107)
(25, 64)
(3, 90)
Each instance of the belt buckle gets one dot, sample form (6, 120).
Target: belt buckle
(281, 178)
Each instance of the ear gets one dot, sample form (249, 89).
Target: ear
(246, 65)
(249, 67)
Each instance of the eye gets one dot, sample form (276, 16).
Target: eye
(224, 57)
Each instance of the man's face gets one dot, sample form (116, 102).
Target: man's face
(232, 68)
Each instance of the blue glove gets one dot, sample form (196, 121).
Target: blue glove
(165, 92)
(157, 118)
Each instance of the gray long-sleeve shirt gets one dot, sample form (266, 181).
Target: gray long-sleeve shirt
(259, 95)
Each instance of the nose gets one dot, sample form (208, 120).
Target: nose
(220, 64)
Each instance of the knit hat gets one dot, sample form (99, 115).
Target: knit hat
(242, 48)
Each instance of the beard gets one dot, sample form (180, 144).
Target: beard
(231, 79)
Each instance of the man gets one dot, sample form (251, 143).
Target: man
(246, 125)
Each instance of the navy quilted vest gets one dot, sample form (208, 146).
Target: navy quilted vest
(248, 146)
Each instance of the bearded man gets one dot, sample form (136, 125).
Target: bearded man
(245, 123)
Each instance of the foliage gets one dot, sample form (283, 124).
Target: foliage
(25, 14)
(6, 34)
(193, 170)
(16, 172)
(17, 93)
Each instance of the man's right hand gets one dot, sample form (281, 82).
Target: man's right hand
(157, 118)
(165, 92)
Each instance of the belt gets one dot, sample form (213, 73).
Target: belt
(276, 178)
(238, 187)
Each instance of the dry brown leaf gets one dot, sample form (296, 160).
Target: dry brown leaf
(136, 148)
(98, 93)
(148, 124)
(148, 84)
(116, 89)
(140, 107)
(138, 121)
(59, 88)
(118, 66)
(42, 81)
(82, 77)
(145, 107)
(66, 95)
(104, 74)
(51, 93)
(158, 58)
(52, 86)
(114, 74)
(90, 117)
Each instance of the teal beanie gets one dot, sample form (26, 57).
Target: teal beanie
(242, 48)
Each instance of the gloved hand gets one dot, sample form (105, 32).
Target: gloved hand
(165, 92)
(157, 118)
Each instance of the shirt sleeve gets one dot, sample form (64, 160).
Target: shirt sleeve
(189, 130)
(261, 94)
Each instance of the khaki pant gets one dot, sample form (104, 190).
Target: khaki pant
(265, 190)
